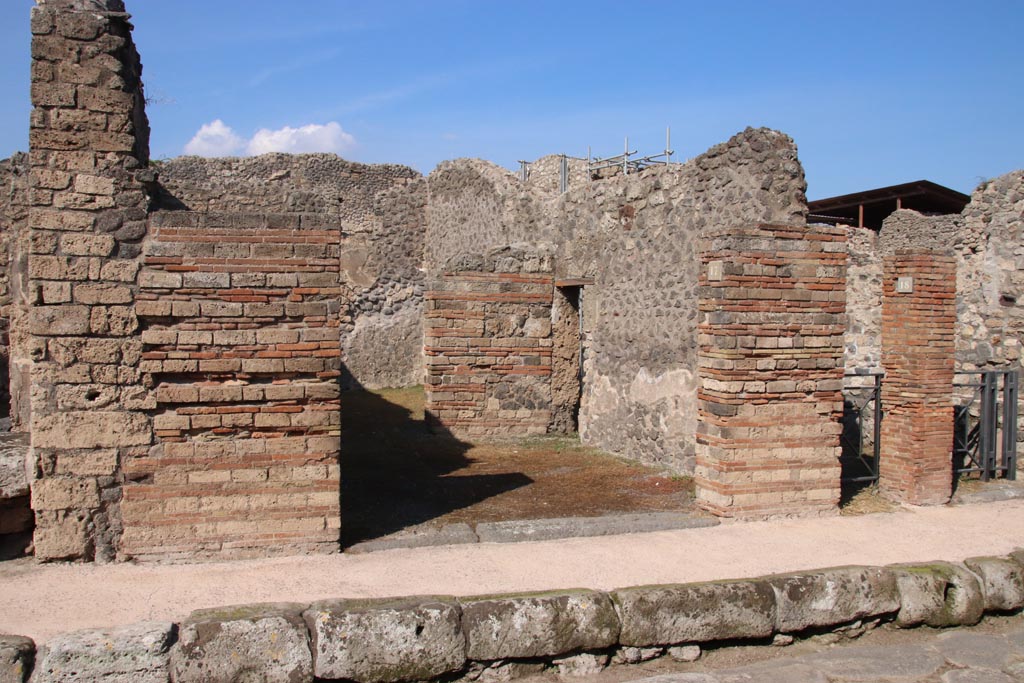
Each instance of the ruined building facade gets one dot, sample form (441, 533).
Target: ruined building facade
(179, 335)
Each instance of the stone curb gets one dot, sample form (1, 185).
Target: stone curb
(537, 530)
(498, 637)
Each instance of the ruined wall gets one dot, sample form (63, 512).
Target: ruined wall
(863, 302)
(89, 146)
(14, 250)
(634, 236)
(488, 344)
(990, 275)
(382, 320)
(240, 342)
(380, 215)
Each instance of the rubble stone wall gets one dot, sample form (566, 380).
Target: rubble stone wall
(240, 343)
(634, 237)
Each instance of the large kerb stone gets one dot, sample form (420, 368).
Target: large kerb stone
(267, 642)
(833, 596)
(381, 641)
(16, 655)
(520, 626)
(129, 654)
(1002, 581)
(938, 594)
(695, 613)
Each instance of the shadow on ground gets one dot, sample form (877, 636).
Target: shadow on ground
(397, 474)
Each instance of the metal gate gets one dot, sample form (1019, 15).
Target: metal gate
(985, 433)
(862, 425)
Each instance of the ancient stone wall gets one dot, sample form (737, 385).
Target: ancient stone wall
(382, 297)
(990, 275)
(633, 238)
(488, 344)
(240, 343)
(380, 215)
(89, 145)
(772, 304)
(14, 250)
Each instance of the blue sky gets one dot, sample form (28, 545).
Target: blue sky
(874, 93)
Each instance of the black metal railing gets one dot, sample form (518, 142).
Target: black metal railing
(862, 425)
(985, 424)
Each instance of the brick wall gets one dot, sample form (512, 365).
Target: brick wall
(240, 317)
(772, 306)
(488, 352)
(918, 356)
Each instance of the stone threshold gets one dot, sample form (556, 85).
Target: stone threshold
(518, 531)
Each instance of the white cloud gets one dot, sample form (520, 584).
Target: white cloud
(217, 139)
(311, 138)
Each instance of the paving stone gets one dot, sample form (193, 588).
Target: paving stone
(772, 672)
(898, 664)
(963, 649)
(976, 676)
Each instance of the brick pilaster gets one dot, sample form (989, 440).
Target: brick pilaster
(772, 306)
(917, 391)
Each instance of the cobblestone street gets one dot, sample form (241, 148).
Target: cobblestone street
(992, 652)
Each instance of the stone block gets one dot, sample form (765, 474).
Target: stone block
(137, 653)
(65, 493)
(103, 294)
(61, 536)
(938, 594)
(1002, 582)
(59, 321)
(84, 244)
(266, 642)
(695, 613)
(833, 596)
(380, 641)
(538, 625)
(13, 473)
(91, 429)
(16, 656)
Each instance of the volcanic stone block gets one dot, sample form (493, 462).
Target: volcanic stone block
(137, 653)
(695, 613)
(538, 625)
(1002, 582)
(833, 596)
(938, 594)
(266, 642)
(382, 641)
(91, 429)
(16, 655)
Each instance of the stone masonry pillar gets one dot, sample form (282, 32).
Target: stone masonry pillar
(918, 319)
(88, 144)
(772, 319)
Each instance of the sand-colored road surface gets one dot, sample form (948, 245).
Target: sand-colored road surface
(43, 600)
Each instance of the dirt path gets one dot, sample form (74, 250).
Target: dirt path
(41, 601)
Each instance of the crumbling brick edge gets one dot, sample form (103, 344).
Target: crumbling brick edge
(430, 637)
